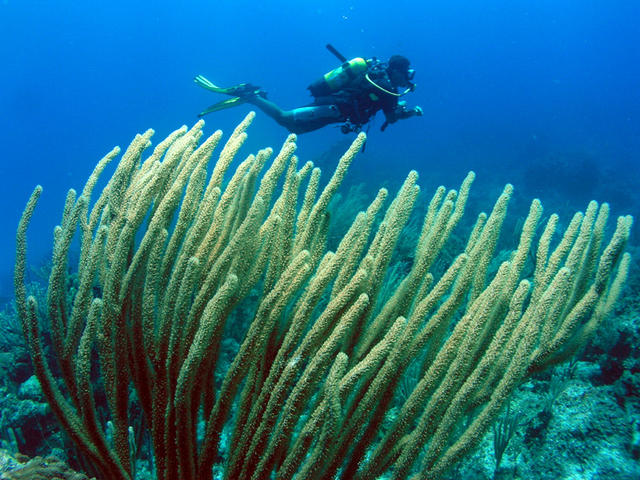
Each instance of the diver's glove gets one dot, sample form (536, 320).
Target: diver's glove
(403, 112)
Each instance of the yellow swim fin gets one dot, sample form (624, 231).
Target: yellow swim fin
(205, 83)
(235, 90)
(228, 103)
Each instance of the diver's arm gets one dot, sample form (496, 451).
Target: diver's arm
(400, 112)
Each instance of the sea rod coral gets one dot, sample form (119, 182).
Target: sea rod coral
(172, 258)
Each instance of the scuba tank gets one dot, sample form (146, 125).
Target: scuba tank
(338, 77)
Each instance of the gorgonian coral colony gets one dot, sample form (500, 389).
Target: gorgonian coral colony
(170, 255)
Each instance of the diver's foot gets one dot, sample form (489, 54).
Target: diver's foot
(246, 90)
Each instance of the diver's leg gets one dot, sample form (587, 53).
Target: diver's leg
(270, 108)
(299, 120)
(307, 119)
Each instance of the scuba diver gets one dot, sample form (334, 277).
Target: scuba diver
(350, 94)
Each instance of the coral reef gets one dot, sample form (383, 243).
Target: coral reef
(171, 258)
(39, 468)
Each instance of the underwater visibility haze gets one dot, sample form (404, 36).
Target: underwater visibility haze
(297, 349)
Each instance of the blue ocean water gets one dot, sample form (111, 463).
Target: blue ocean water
(544, 94)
